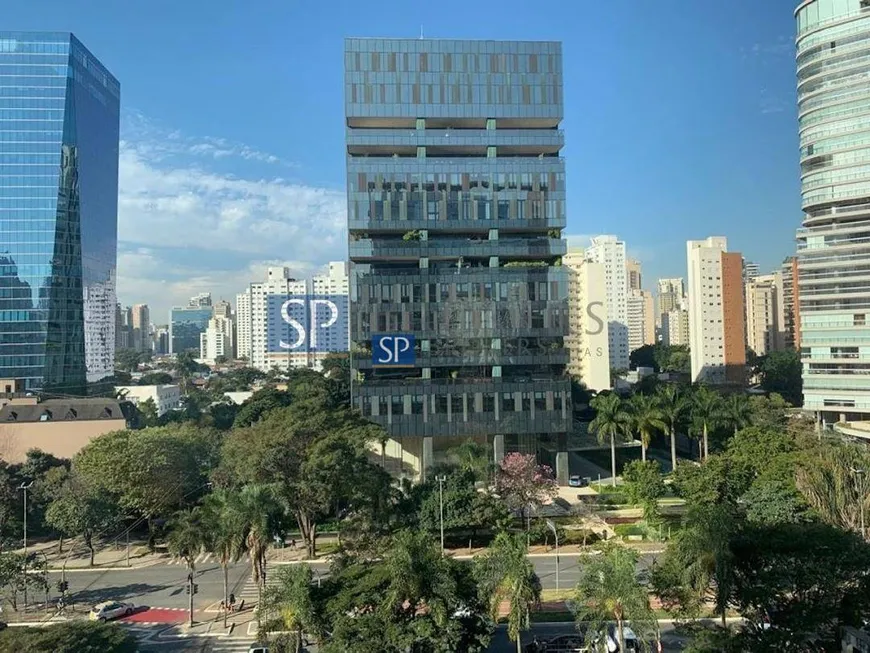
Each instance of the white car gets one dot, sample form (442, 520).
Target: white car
(110, 610)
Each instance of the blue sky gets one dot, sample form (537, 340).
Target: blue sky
(679, 115)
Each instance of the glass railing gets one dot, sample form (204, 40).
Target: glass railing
(807, 138)
(853, 46)
(542, 247)
(842, 18)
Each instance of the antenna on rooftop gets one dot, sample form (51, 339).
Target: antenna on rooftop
(421, 32)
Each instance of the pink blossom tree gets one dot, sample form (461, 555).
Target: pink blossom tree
(522, 482)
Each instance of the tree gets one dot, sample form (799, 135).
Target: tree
(187, 538)
(14, 579)
(465, 509)
(259, 405)
(716, 481)
(805, 580)
(774, 502)
(70, 637)
(707, 412)
(832, 486)
(79, 510)
(473, 457)
(221, 360)
(152, 472)
(523, 484)
(737, 412)
(10, 505)
(702, 559)
(292, 597)
(612, 589)
(225, 530)
(185, 366)
(645, 418)
(148, 412)
(645, 485)
(781, 373)
(673, 406)
(611, 422)
(262, 520)
(505, 574)
(314, 453)
(155, 378)
(644, 356)
(127, 360)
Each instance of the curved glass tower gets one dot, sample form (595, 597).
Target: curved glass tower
(833, 67)
(59, 122)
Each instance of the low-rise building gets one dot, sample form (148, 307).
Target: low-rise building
(61, 427)
(165, 397)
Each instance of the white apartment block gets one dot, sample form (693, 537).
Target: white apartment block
(216, 340)
(716, 317)
(587, 341)
(252, 315)
(610, 252)
(765, 314)
(165, 397)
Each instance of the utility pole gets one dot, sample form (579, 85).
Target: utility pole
(552, 527)
(25, 488)
(128, 547)
(441, 478)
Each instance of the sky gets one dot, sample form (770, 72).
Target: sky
(680, 123)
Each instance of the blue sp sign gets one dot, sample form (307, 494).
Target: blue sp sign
(394, 350)
(299, 323)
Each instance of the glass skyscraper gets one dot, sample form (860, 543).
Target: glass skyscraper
(833, 289)
(456, 204)
(185, 327)
(59, 124)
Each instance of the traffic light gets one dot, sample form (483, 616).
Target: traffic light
(62, 586)
(187, 589)
(195, 588)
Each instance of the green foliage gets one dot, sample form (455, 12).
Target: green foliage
(79, 510)
(413, 235)
(148, 412)
(69, 637)
(645, 486)
(259, 405)
(151, 472)
(127, 360)
(504, 573)
(662, 358)
(314, 453)
(645, 419)
(674, 405)
(781, 373)
(717, 481)
(155, 378)
(708, 412)
(769, 412)
(611, 423)
(611, 589)
(13, 578)
(292, 601)
(832, 487)
(772, 502)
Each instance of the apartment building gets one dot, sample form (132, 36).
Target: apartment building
(587, 341)
(610, 252)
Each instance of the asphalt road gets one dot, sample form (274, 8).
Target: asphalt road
(501, 644)
(163, 586)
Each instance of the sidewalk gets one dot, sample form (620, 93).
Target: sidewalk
(76, 557)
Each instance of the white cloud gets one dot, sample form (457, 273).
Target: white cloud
(184, 229)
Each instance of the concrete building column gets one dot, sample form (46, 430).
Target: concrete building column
(498, 448)
(426, 458)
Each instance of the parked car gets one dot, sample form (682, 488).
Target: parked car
(575, 481)
(258, 648)
(110, 610)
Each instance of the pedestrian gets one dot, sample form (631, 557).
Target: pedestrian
(293, 543)
(232, 602)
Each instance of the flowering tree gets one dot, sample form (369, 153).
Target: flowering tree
(522, 482)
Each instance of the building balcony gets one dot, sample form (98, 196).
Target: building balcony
(451, 274)
(539, 248)
(475, 424)
(476, 358)
(401, 226)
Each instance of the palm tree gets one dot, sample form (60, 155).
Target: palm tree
(737, 411)
(707, 411)
(611, 422)
(506, 574)
(225, 526)
(702, 552)
(611, 589)
(646, 419)
(292, 597)
(260, 509)
(186, 540)
(673, 404)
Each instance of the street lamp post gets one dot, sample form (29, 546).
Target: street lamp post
(25, 488)
(552, 527)
(860, 474)
(441, 478)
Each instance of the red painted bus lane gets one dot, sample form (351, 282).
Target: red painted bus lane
(148, 615)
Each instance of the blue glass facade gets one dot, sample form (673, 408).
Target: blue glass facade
(59, 129)
(185, 327)
(456, 204)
